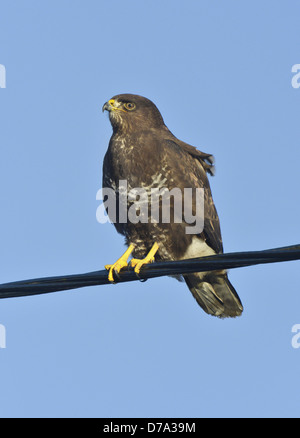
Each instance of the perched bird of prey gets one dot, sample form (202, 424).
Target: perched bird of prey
(144, 153)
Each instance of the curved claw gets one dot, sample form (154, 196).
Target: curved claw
(137, 264)
(115, 268)
(119, 264)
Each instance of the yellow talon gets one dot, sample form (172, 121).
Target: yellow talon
(137, 263)
(119, 264)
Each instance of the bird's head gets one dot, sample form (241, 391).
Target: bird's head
(132, 110)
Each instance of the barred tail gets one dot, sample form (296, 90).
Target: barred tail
(215, 294)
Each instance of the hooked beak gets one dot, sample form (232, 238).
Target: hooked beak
(108, 106)
(112, 105)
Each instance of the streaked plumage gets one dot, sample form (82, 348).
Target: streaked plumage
(144, 152)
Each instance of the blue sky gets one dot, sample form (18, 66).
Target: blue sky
(220, 72)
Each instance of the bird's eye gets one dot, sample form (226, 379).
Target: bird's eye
(129, 106)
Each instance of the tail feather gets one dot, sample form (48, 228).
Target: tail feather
(215, 294)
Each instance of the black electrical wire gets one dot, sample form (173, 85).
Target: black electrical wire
(212, 263)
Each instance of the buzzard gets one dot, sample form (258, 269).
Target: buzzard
(144, 153)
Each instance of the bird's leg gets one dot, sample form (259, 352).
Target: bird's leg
(137, 263)
(119, 264)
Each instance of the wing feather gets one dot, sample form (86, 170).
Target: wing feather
(194, 175)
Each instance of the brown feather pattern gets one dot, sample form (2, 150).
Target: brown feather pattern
(146, 154)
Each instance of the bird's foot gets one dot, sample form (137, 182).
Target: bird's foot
(138, 263)
(119, 264)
